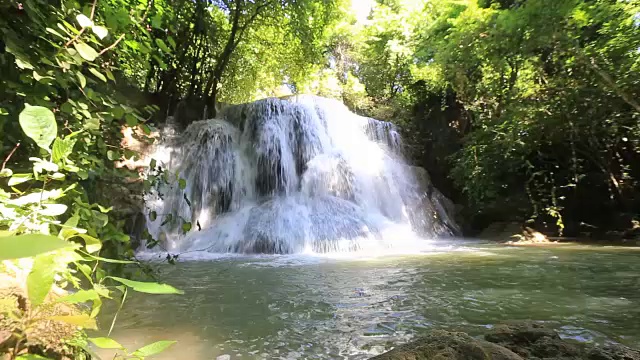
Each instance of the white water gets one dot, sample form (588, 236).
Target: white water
(301, 175)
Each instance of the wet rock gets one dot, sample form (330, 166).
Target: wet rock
(612, 352)
(519, 333)
(443, 345)
(507, 341)
(533, 341)
(501, 231)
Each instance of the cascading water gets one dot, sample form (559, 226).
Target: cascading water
(294, 175)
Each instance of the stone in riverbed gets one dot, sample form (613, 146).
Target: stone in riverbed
(445, 345)
(533, 341)
(613, 352)
(510, 341)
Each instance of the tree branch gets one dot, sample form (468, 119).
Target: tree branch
(10, 155)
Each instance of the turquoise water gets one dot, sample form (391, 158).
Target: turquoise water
(305, 307)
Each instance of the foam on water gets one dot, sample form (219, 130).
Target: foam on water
(297, 176)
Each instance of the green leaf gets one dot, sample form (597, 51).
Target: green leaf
(40, 165)
(131, 120)
(186, 227)
(79, 297)
(62, 148)
(171, 42)
(22, 246)
(37, 77)
(153, 216)
(86, 51)
(148, 287)
(91, 244)
(23, 64)
(182, 183)
(106, 343)
(31, 357)
(39, 124)
(82, 79)
(110, 75)
(97, 74)
(40, 279)
(92, 124)
(103, 209)
(153, 349)
(84, 21)
(163, 46)
(5, 173)
(117, 112)
(53, 209)
(54, 32)
(83, 320)
(19, 179)
(100, 31)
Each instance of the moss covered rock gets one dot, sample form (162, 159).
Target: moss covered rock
(441, 345)
(528, 340)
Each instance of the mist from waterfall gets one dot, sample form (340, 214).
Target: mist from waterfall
(294, 175)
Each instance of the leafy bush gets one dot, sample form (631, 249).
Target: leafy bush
(60, 125)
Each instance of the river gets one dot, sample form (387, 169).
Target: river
(310, 307)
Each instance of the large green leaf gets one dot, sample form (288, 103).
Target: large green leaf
(39, 123)
(97, 74)
(19, 179)
(62, 148)
(79, 297)
(40, 279)
(22, 246)
(100, 31)
(163, 46)
(153, 349)
(86, 51)
(52, 209)
(148, 287)
(82, 79)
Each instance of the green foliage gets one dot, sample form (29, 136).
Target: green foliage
(58, 84)
(143, 352)
(232, 51)
(29, 245)
(146, 287)
(552, 97)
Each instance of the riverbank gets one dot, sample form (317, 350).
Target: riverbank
(513, 341)
(513, 233)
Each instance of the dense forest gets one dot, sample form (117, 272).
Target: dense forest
(521, 110)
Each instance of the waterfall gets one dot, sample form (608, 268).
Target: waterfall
(294, 175)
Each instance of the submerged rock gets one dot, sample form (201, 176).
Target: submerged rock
(443, 345)
(533, 341)
(506, 341)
